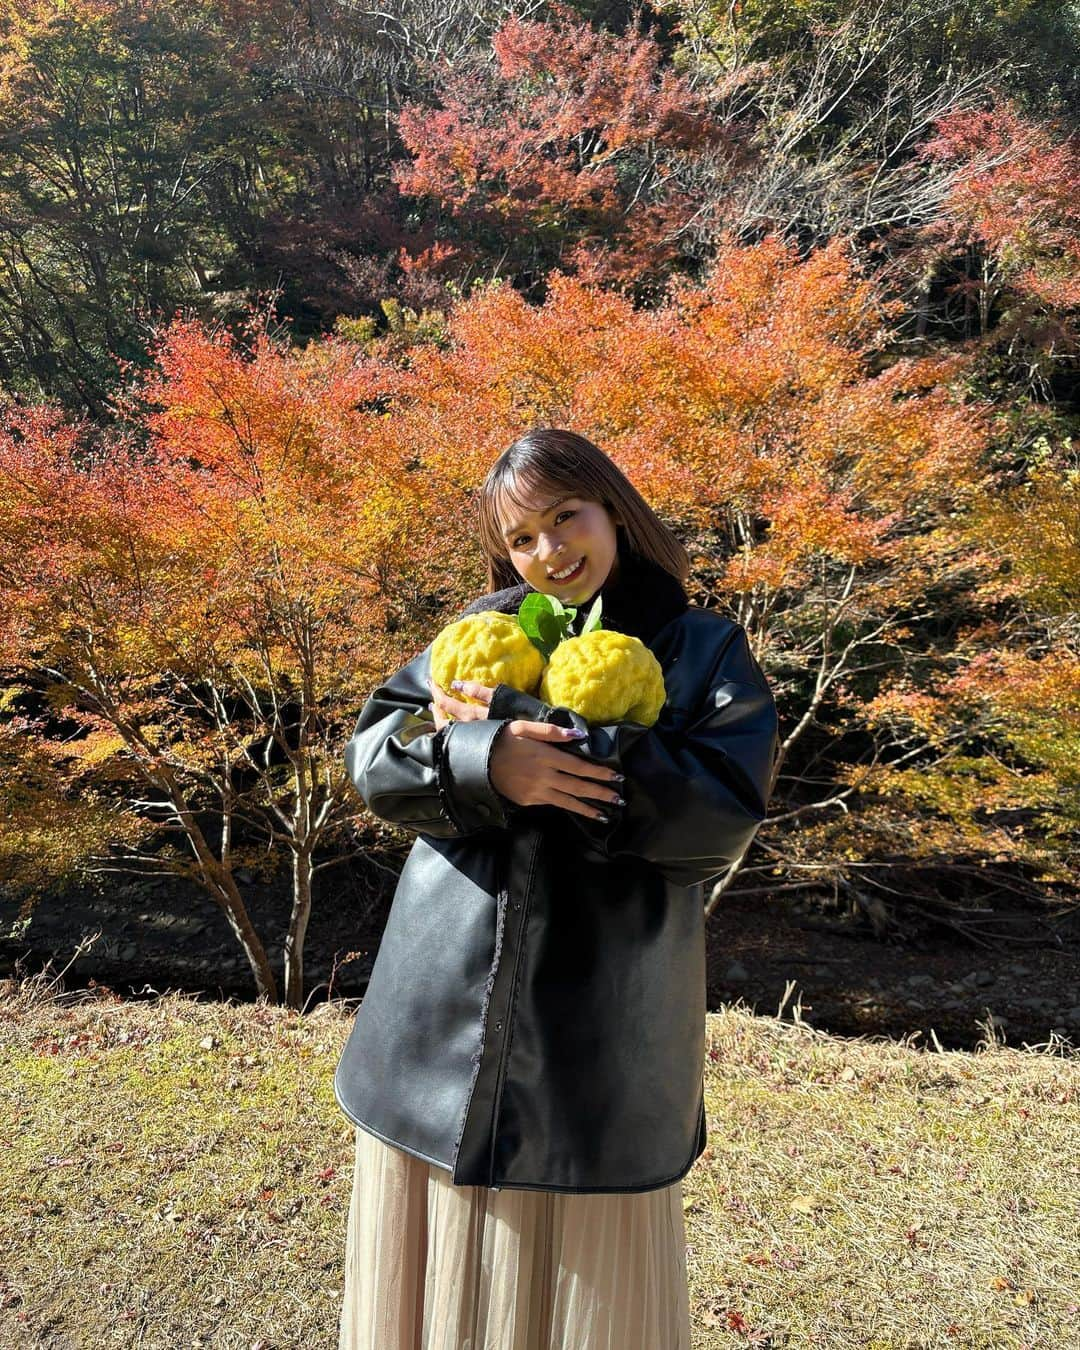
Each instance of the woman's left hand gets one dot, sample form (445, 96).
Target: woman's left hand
(445, 708)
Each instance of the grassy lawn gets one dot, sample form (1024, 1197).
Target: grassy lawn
(177, 1174)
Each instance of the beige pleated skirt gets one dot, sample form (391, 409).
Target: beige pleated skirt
(434, 1266)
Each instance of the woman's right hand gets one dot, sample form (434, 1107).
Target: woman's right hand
(528, 767)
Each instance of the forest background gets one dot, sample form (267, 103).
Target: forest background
(279, 281)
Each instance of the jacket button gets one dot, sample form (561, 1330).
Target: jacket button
(498, 1026)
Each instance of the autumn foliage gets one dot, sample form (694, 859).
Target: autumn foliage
(205, 600)
(565, 151)
(207, 595)
(1016, 192)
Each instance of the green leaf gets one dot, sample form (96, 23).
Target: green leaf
(545, 621)
(592, 619)
(551, 632)
(530, 611)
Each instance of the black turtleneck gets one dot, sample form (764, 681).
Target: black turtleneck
(641, 599)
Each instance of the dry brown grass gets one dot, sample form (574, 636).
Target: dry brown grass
(177, 1174)
(865, 1193)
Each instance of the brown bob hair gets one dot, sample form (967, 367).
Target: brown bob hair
(551, 460)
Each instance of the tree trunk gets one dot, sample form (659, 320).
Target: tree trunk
(294, 942)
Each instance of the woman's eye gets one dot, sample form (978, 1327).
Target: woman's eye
(558, 517)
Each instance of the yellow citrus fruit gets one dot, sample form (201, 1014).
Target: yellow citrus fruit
(605, 676)
(489, 647)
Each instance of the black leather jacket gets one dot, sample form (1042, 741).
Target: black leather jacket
(535, 1017)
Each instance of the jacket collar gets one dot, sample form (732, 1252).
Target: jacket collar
(640, 601)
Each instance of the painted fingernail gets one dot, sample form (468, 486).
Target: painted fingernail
(457, 684)
(576, 731)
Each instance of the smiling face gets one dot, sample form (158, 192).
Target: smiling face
(548, 534)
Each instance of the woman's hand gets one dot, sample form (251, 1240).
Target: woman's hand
(527, 765)
(443, 703)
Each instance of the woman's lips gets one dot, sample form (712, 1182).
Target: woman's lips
(574, 575)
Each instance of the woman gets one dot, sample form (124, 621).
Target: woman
(526, 1068)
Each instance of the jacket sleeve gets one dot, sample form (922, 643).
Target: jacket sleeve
(695, 795)
(433, 782)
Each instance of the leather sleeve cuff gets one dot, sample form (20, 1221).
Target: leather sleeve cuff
(463, 758)
(508, 702)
